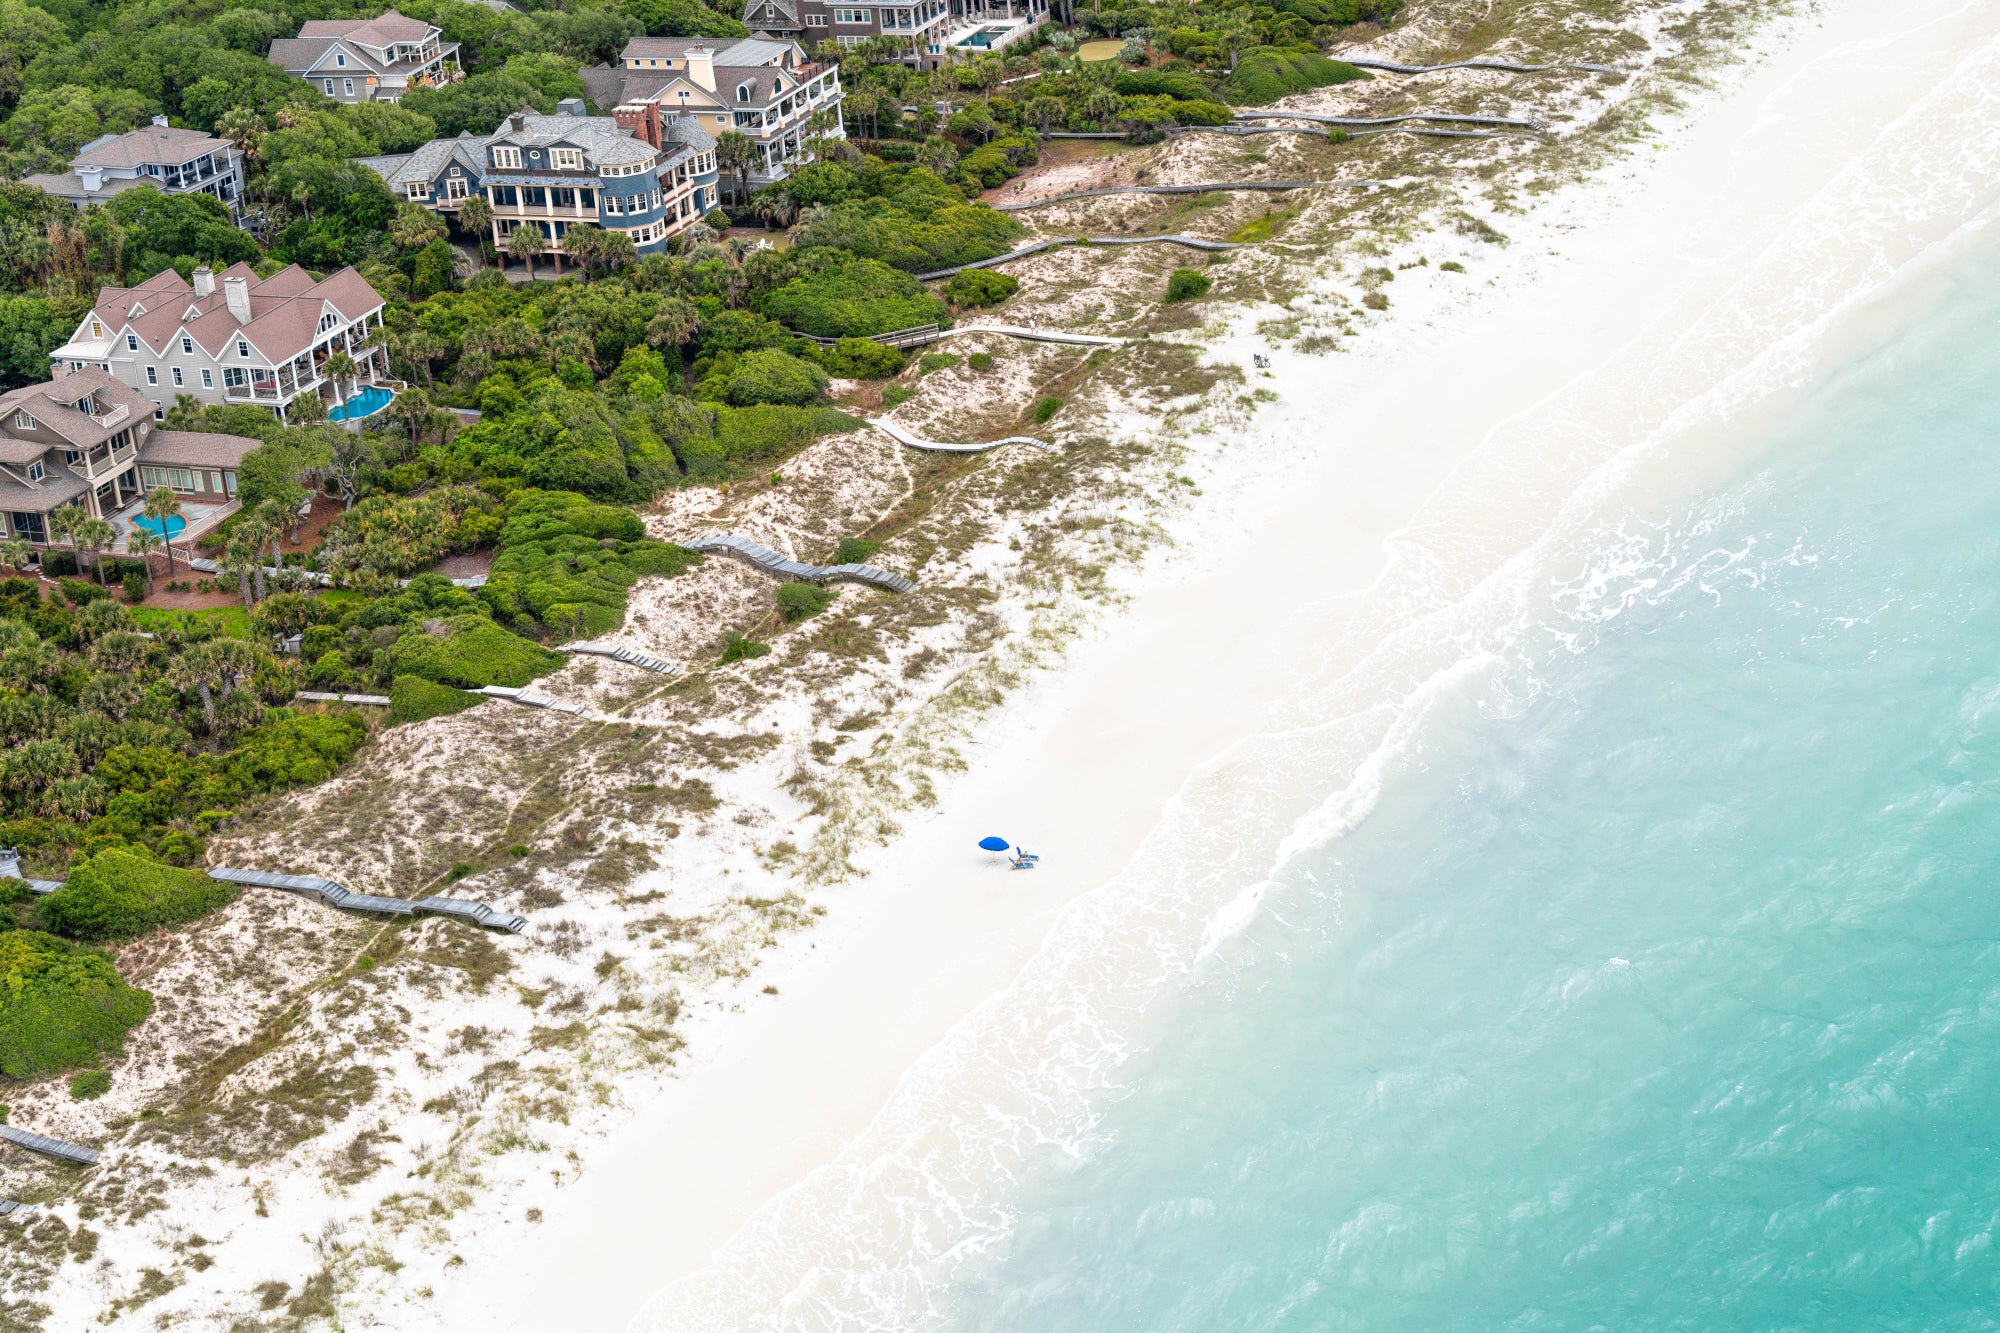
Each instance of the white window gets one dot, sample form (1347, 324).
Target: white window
(207, 379)
(96, 329)
(24, 421)
(243, 349)
(347, 87)
(614, 203)
(152, 375)
(35, 472)
(506, 157)
(454, 189)
(232, 377)
(742, 92)
(177, 377)
(159, 412)
(131, 342)
(187, 346)
(329, 86)
(853, 15)
(418, 190)
(656, 199)
(815, 20)
(566, 159)
(339, 59)
(327, 321)
(179, 478)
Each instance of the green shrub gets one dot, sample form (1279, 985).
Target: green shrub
(413, 699)
(854, 300)
(1046, 407)
(736, 648)
(861, 359)
(718, 219)
(854, 551)
(1185, 284)
(472, 651)
(61, 1005)
(917, 223)
(297, 751)
(935, 361)
(1201, 113)
(135, 587)
(1264, 74)
(567, 562)
(980, 287)
(799, 601)
(77, 592)
(896, 395)
(1451, 266)
(772, 376)
(1154, 82)
(981, 361)
(118, 894)
(89, 1085)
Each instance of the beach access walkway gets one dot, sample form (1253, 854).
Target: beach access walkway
(897, 433)
(797, 571)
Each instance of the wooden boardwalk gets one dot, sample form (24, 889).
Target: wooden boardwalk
(795, 571)
(334, 894)
(1173, 238)
(629, 656)
(48, 1147)
(897, 433)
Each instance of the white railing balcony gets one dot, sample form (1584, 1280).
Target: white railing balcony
(113, 417)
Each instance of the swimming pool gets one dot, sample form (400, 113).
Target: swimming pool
(174, 525)
(364, 404)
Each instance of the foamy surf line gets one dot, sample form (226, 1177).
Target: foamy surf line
(874, 1238)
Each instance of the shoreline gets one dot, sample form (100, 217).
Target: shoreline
(932, 935)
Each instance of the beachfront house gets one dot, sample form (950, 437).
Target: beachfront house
(763, 89)
(90, 440)
(927, 31)
(230, 337)
(368, 60)
(172, 161)
(556, 171)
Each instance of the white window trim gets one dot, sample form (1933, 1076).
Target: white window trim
(152, 375)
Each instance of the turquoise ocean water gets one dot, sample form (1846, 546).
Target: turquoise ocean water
(1661, 986)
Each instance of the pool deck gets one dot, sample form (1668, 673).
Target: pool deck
(200, 516)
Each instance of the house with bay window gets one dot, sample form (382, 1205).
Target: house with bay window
(553, 172)
(230, 337)
(368, 60)
(763, 89)
(90, 440)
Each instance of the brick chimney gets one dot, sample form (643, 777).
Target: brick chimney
(641, 118)
(204, 281)
(701, 66)
(236, 291)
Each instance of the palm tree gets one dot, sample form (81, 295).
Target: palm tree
(308, 409)
(675, 323)
(96, 536)
(65, 524)
(220, 663)
(524, 243)
(584, 243)
(415, 227)
(1104, 106)
(735, 152)
(412, 408)
(238, 559)
(340, 367)
(163, 506)
(476, 216)
(14, 553)
(142, 544)
(937, 155)
(618, 249)
(1045, 111)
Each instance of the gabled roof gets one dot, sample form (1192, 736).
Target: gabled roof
(163, 144)
(385, 29)
(313, 55)
(52, 403)
(742, 51)
(285, 310)
(615, 87)
(428, 161)
(602, 139)
(685, 130)
(786, 12)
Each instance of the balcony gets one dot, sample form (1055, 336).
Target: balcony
(113, 417)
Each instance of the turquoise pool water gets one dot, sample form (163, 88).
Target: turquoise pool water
(174, 525)
(366, 403)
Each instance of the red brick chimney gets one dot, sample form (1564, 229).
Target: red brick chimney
(642, 118)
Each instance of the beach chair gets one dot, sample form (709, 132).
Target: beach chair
(1026, 856)
(1022, 862)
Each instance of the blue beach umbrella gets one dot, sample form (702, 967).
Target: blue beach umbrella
(994, 844)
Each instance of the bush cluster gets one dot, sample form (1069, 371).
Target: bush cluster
(1264, 74)
(1185, 284)
(414, 699)
(61, 1005)
(567, 563)
(118, 894)
(980, 287)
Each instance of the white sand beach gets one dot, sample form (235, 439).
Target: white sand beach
(1678, 292)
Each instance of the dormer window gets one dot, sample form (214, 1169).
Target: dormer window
(96, 329)
(243, 349)
(35, 472)
(187, 345)
(131, 342)
(566, 159)
(339, 59)
(328, 321)
(742, 92)
(24, 421)
(506, 157)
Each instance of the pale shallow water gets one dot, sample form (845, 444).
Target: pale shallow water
(1659, 987)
